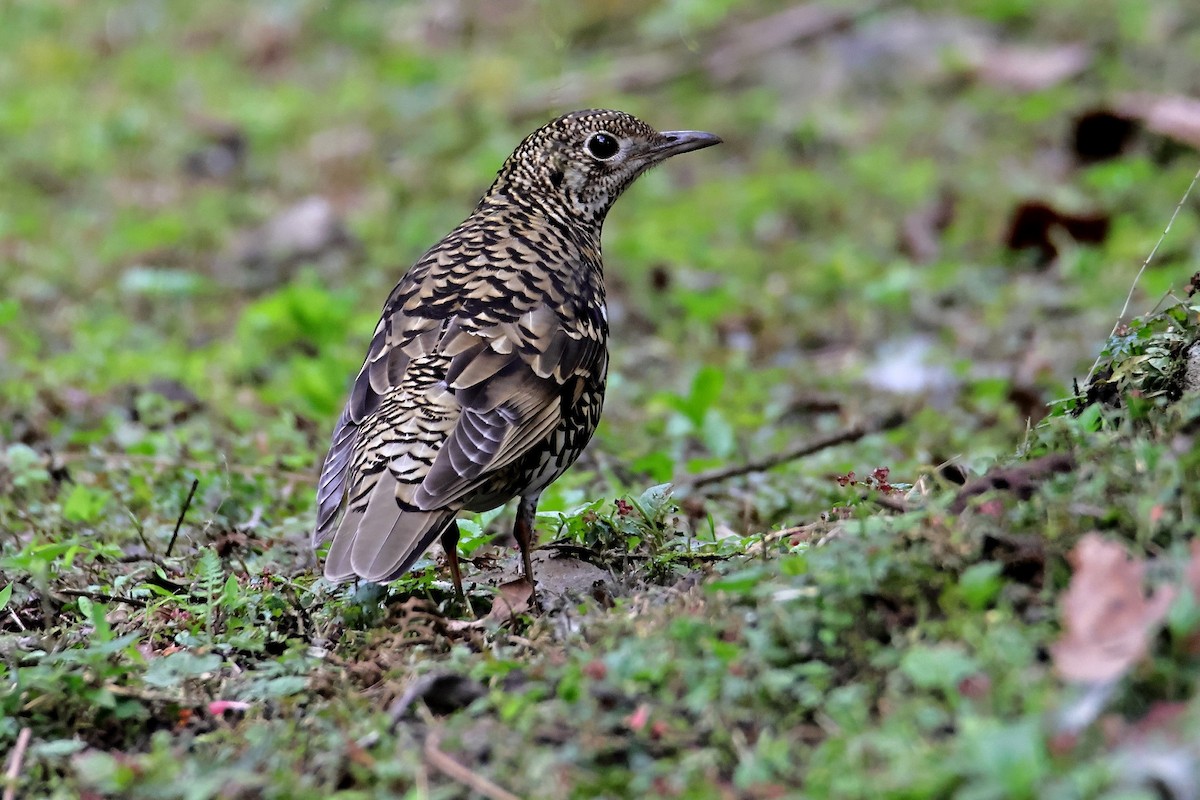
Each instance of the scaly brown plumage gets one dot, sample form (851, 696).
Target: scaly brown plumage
(485, 377)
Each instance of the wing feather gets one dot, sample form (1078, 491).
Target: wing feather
(331, 487)
(440, 405)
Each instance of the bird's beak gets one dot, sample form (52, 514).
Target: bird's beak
(672, 143)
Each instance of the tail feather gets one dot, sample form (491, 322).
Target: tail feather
(381, 540)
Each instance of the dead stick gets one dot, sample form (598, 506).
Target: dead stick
(182, 513)
(101, 597)
(851, 434)
(15, 759)
(442, 762)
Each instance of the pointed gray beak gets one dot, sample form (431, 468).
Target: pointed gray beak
(672, 143)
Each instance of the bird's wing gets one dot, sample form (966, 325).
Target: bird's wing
(438, 407)
(510, 379)
(392, 349)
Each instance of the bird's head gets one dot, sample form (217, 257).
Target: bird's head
(583, 161)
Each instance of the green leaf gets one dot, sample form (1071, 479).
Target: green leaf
(654, 498)
(25, 465)
(1090, 419)
(1011, 756)
(98, 615)
(706, 387)
(85, 504)
(210, 573)
(282, 686)
(658, 465)
(718, 434)
(231, 593)
(938, 667)
(58, 748)
(740, 582)
(980, 583)
(167, 671)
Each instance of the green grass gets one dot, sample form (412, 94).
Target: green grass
(785, 633)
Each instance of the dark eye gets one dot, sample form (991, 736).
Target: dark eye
(603, 145)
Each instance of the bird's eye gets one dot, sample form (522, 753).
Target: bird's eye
(603, 145)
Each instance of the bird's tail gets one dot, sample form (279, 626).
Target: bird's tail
(383, 539)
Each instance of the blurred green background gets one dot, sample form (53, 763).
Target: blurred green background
(931, 206)
(221, 195)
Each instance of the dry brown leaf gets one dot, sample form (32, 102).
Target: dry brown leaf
(1107, 618)
(514, 598)
(1035, 225)
(1099, 134)
(1031, 69)
(1174, 116)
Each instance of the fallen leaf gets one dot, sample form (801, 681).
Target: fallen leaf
(1031, 69)
(1101, 134)
(1107, 618)
(513, 598)
(1173, 116)
(1034, 222)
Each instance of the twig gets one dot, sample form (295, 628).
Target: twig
(182, 513)
(15, 759)
(770, 537)
(101, 597)
(442, 762)
(1146, 263)
(851, 434)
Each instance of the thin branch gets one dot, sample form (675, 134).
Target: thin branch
(1146, 263)
(182, 513)
(851, 434)
(101, 597)
(15, 760)
(442, 762)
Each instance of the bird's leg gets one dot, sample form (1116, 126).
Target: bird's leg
(523, 533)
(450, 545)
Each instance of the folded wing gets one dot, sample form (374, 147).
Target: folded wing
(440, 407)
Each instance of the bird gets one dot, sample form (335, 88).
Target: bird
(485, 376)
